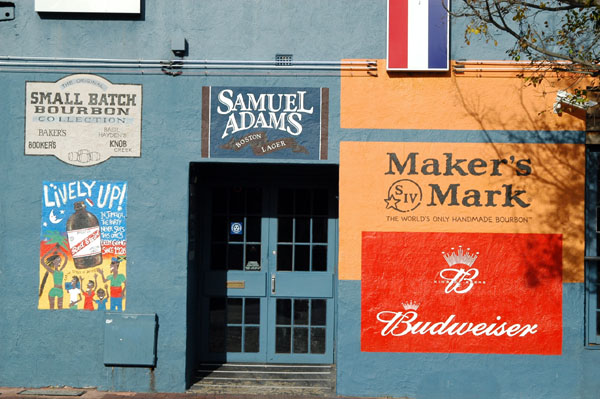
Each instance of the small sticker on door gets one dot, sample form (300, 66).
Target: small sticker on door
(252, 265)
(237, 228)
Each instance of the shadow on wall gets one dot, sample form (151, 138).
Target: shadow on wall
(558, 169)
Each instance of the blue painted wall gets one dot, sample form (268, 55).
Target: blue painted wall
(574, 374)
(226, 29)
(66, 348)
(40, 348)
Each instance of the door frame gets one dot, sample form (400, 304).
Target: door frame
(204, 175)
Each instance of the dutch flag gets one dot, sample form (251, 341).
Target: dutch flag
(418, 35)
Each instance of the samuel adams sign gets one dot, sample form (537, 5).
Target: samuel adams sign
(274, 122)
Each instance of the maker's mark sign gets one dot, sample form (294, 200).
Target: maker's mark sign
(83, 119)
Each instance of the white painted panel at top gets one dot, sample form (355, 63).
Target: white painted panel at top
(94, 6)
(418, 34)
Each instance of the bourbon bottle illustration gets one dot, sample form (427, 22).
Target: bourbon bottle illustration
(83, 231)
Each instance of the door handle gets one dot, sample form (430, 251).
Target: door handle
(273, 283)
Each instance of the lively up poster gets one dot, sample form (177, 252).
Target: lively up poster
(83, 245)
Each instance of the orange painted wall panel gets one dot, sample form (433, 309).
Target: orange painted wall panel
(462, 188)
(451, 101)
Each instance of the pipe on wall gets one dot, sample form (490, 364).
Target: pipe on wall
(176, 66)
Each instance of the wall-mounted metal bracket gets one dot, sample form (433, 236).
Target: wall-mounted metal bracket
(7, 11)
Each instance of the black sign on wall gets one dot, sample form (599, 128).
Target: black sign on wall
(280, 122)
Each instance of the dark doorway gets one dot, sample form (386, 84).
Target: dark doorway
(262, 263)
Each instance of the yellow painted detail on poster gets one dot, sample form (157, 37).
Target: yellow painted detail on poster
(462, 187)
(483, 100)
(68, 288)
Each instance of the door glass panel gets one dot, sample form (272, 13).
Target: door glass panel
(253, 229)
(285, 229)
(234, 310)
(318, 315)
(252, 311)
(300, 340)
(234, 339)
(236, 221)
(284, 258)
(252, 257)
(251, 339)
(319, 259)
(302, 230)
(320, 230)
(302, 236)
(283, 339)
(284, 311)
(292, 334)
(236, 257)
(302, 258)
(301, 311)
(234, 325)
(317, 340)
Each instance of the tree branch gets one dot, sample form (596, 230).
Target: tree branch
(493, 12)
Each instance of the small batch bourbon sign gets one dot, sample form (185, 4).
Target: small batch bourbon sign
(83, 119)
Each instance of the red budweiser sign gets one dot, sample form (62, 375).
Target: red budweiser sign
(462, 292)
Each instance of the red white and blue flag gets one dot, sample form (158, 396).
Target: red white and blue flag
(418, 32)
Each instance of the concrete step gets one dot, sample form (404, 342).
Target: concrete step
(265, 379)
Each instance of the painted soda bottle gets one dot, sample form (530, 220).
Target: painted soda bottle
(83, 231)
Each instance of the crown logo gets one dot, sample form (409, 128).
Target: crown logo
(412, 305)
(460, 257)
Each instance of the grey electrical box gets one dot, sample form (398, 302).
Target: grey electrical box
(178, 44)
(130, 339)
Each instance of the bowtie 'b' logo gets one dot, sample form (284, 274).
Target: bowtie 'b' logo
(459, 280)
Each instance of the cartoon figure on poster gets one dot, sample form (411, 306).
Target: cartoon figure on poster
(83, 235)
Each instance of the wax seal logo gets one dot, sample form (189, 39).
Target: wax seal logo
(404, 196)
